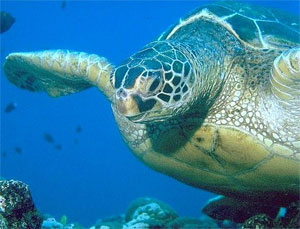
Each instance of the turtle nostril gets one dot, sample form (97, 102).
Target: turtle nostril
(121, 93)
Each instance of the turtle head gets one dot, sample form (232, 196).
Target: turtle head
(153, 84)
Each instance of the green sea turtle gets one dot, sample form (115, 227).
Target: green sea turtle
(213, 102)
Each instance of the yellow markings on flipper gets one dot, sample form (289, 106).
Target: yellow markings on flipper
(82, 65)
(103, 78)
(93, 71)
(285, 78)
(59, 72)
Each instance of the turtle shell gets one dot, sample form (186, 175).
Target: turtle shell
(255, 26)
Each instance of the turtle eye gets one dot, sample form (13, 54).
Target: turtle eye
(153, 82)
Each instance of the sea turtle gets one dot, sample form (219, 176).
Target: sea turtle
(214, 101)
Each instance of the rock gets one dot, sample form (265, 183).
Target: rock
(148, 213)
(17, 205)
(225, 208)
(292, 215)
(291, 219)
(185, 222)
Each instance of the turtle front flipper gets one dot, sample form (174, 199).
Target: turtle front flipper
(59, 72)
(285, 78)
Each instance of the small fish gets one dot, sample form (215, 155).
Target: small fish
(75, 141)
(6, 21)
(18, 150)
(63, 220)
(48, 138)
(78, 129)
(58, 146)
(10, 107)
(63, 4)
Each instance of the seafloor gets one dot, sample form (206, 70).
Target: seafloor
(17, 211)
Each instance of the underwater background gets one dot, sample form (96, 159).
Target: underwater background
(69, 150)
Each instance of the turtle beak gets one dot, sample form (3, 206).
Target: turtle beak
(126, 104)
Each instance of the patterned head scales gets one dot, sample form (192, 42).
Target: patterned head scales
(153, 82)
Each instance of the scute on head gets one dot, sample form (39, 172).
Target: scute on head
(153, 82)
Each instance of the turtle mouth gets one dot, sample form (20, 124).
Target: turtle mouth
(137, 118)
(130, 110)
(138, 109)
(148, 117)
(133, 106)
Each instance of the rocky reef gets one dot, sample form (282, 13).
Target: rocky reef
(291, 219)
(148, 213)
(17, 211)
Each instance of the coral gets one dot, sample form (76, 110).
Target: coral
(51, 223)
(17, 206)
(258, 221)
(114, 222)
(18, 211)
(151, 207)
(148, 213)
(3, 222)
(2, 204)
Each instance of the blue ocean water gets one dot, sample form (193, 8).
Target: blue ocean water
(94, 175)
